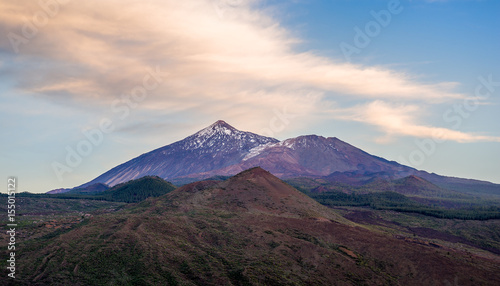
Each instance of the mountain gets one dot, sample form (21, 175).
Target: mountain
(222, 150)
(251, 229)
(312, 155)
(254, 190)
(215, 147)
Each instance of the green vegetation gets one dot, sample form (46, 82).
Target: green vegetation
(130, 192)
(478, 213)
(397, 202)
(44, 205)
(410, 194)
(138, 190)
(375, 200)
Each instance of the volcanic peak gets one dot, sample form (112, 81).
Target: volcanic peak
(252, 191)
(220, 127)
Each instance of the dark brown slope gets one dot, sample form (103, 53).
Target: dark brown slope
(250, 230)
(255, 191)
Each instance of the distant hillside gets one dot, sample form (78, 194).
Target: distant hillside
(130, 192)
(138, 190)
(409, 186)
(415, 186)
(92, 189)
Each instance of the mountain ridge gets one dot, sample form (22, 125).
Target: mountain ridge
(222, 150)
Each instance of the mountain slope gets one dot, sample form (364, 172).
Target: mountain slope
(413, 185)
(313, 155)
(214, 147)
(90, 189)
(251, 229)
(254, 190)
(59, 191)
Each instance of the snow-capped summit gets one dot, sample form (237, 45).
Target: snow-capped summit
(220, 136)
(214, 147)
(220, 127)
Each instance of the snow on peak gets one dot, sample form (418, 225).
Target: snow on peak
(219, 127)
(225, 136)
(255, 151)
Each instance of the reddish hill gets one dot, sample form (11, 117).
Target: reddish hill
(254, 190)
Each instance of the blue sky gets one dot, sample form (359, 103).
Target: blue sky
(115, 79)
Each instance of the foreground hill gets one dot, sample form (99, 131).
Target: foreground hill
(222, 150)
(256, 191)
(252, 229)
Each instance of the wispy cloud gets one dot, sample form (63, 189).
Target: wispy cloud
(114, 39)
(402, 120)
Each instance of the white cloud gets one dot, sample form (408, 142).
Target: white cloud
(401, 120)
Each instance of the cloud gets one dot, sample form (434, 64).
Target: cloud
(401, 120)
(229, 59)
(100, 46)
